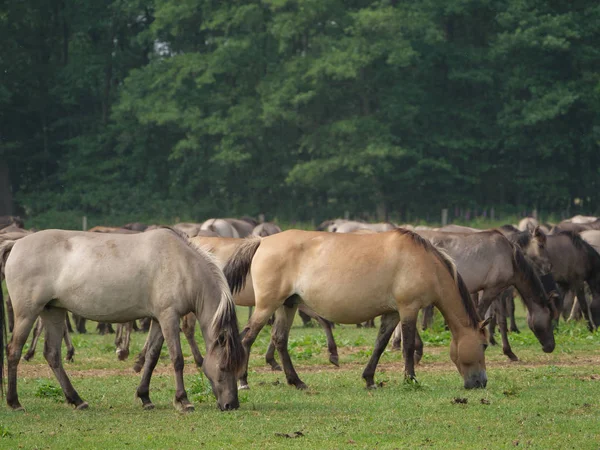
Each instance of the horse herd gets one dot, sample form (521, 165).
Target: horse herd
(346, 272)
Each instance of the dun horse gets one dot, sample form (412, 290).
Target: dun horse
(120, 278)
(351, 278)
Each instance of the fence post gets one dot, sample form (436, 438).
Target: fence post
(84, 223)
(444, 217)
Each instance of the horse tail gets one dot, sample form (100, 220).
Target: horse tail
(5, 248)
(237, 268)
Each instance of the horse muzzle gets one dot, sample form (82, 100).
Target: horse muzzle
(229, 406)
(476, 381)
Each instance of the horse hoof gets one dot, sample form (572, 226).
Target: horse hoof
(276, 368)
(301, 386)
(82, 406)
(243, 387)
(334, 359)
(513, 357)
(18, 408)
(371, 387)
(183, 407)
(137, 368)
(148, 406)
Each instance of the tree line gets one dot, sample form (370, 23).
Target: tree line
(299, 109)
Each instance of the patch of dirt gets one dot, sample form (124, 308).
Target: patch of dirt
(39, 369)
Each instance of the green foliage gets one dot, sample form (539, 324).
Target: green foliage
(5, 432)
(299, 110)
(49, 390)
(200, 390)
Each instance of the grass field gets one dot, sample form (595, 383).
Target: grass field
(544, 401)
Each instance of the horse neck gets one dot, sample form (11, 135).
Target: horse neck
(206, 307)
(452, 308)
(528, 284)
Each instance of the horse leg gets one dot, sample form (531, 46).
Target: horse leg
(427, 320)
(140, 359)
(54, 321)
(501, 313)
(119, 336)
(387, 327)
(305, 317)
(14, 349)
(248, 335)
(568, 304)
(418, 347)
(188, 325)
(34, 340)
(69, 325)
(124, 337)
(11, 314)
(105, 328)
(510, 311)
(492, 329)
(486, 300)
(397, 338)
(270, 357)
(68, 342)
(79, 324)
(331, 345)
(151, 353)
(284, 317)
(145, 324)
(408, 321)
(327, 328)
(169, 323)
(585, 308)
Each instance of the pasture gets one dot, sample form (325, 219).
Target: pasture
(542, 401)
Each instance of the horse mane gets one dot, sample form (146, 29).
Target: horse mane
(224, 325)
(525, 268)
(521, 238)
(509, 228)
(448, 262)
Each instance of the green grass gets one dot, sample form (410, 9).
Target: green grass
(543, 401)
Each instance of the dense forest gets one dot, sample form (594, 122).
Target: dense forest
(298, 109)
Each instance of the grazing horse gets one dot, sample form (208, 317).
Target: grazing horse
(489, 262)
(223, 249)
(351, 278)
(120, 278)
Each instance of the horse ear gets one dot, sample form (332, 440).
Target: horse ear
(484, 323)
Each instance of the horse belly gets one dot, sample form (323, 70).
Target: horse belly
(113, 304)
(350, 303)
